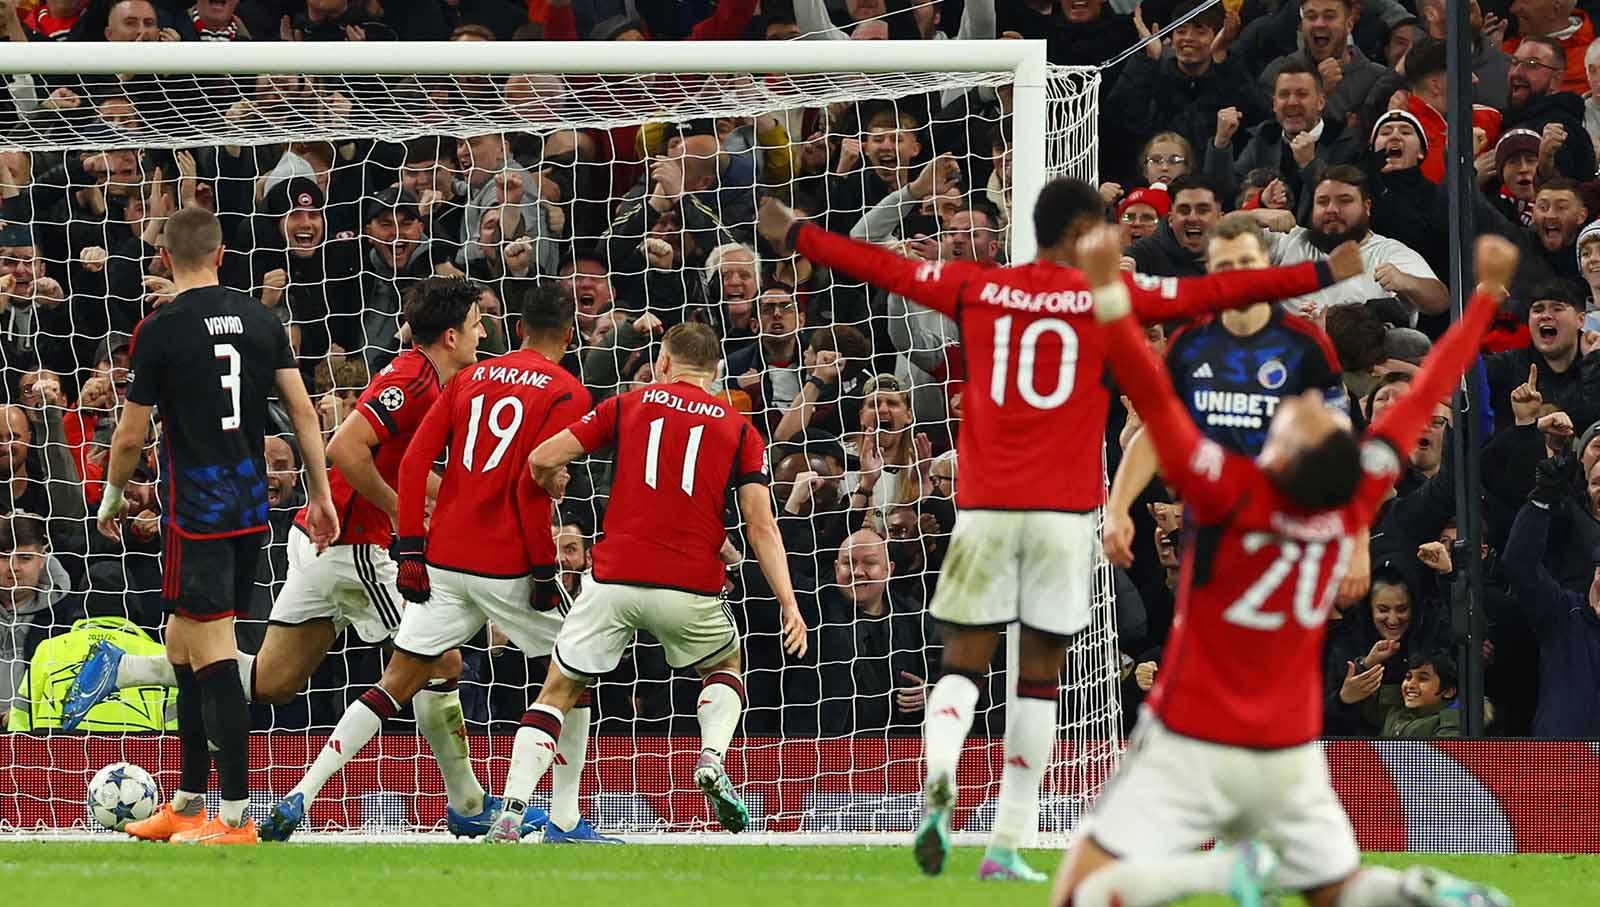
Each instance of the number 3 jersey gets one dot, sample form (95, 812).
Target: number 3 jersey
(490, 517)
(208, 361)
(1034, 409)
(1259, 574)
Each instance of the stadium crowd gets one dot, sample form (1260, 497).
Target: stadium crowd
(1317, 120)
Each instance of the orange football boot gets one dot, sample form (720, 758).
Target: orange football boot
(216, 831)
(164, 824)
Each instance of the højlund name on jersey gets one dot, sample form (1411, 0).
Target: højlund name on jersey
(1056, 301)
(224, 324)
(670, 400)
(506, 375)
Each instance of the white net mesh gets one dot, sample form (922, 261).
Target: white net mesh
(518, 179)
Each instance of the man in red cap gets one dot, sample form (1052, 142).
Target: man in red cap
(1141, 211)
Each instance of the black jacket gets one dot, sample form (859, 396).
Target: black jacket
(1576, 390)
(1567, 630)
(1576, 157)
(1154, 96)
(1160, 254)
(1264, 147)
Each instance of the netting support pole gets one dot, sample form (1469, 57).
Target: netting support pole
(1028, 163)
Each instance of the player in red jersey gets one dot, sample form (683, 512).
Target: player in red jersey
(659, 567)
(487, 410)
(1023, 546)
(1227, 747)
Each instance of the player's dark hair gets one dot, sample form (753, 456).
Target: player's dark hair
(694, 345)
(436, 305)
(547, 312)
(1443, 665)
(1350, 175)
(1325, 475)
(1064, 203)
(193, 235)
(1295, 67)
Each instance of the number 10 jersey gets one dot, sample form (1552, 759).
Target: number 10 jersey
(208, 361)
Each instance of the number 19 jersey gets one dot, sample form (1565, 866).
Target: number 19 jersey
(491, 518)
(679, 450)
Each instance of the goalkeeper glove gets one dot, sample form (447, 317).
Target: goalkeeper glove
(545, 594)
(413, 579)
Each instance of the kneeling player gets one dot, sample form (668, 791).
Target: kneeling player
(352, 583)
(659, 566)
(1227, 747)
(490, 416)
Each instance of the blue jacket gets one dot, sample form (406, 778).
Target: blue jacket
(1567, 628)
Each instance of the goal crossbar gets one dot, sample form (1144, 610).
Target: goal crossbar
(1024, 60)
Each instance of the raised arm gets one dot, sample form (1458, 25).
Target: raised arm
(1173, 298)
(936, 285)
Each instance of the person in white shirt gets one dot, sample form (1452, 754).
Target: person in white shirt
(1341, 210)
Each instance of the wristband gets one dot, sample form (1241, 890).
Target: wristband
(1111, 302)
(110, 502)
(825, 391)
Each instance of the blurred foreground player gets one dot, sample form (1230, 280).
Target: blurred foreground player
(206, 362)
(1023, 548)
(1227, 746)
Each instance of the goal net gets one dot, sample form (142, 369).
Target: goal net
(634, 190)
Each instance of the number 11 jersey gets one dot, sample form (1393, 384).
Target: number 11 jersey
(491, 519)
(208, 361)
(679, 450)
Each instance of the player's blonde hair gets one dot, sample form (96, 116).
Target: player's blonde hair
(192, 236)
(693, 345)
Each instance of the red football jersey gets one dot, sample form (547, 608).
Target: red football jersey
(394, 404)
(490, 517)
(1243, 665)
(1035, 406)
(679, 449)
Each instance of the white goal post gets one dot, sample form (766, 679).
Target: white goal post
(385, 95)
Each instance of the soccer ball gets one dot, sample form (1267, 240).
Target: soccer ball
(121, 793)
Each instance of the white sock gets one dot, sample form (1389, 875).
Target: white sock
(1138, 883)
(247, 667)
(442, 724)
(1030, 732)
(232, 812)
(145, 671)
(359, 724)
(532, 752)
(156, 671)
(721, 700)
(949, 718)
(185, 803)
(1376, 886)
(567, 772)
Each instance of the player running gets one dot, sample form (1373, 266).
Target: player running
(1227, 746)
(489, 530)
(207, 361)
(1024, 540)
(352, 584)
(678, 450)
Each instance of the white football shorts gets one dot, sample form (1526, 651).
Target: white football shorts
(1033, 567)
(351, 585)
(1174, 793)
(460, 603)
(694, 629)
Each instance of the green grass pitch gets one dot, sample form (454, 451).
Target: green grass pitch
(67, 874)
